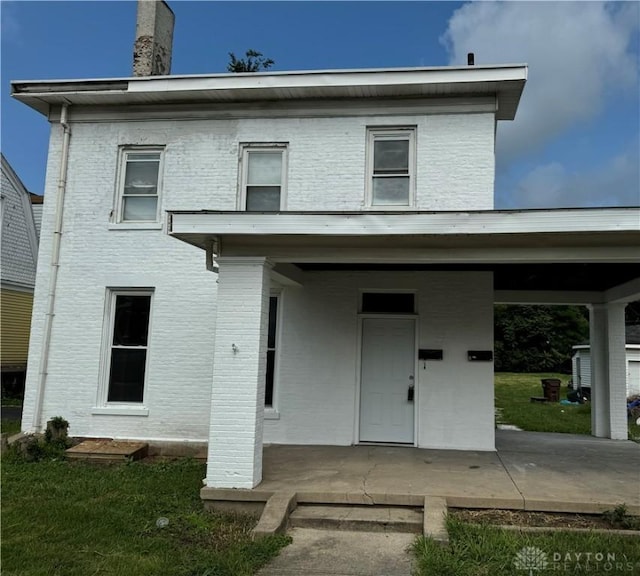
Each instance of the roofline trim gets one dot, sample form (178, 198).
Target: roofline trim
(274, 74)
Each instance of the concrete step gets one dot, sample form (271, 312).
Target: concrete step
(358, 518)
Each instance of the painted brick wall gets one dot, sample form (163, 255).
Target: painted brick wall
(326, 168)
(237, 398)
(93, 257)
(318, 367)
(326, 171)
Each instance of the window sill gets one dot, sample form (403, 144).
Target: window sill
(271, 414)
(120, 411)
(390, 208)
(135, 226)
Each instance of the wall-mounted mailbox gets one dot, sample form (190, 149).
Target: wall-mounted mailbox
(480, 355)
(429, 354)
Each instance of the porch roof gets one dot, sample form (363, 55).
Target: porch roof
(602, 234)
(578, 250)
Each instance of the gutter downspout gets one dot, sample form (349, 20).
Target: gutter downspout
(55, 264)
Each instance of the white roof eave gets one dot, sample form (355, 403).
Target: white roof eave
(507, 82)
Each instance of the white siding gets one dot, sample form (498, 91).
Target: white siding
(633, 371)
(19, 244)
(584, 379)
(633, 368)
(37, 216)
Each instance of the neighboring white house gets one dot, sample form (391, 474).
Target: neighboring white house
(298, 257)
(581, 362)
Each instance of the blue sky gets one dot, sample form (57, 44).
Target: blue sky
(575, 140)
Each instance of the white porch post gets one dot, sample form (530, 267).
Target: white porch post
(237, 395)
(608, 371)
(617, 372)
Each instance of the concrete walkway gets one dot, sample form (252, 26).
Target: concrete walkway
(529, 470)
(341, 553)
(534, 471)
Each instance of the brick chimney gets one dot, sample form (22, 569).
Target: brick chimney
(154, 38)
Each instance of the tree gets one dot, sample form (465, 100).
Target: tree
(632, 313)
(252, 62)
(538, 338)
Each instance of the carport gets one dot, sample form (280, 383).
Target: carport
(566, 256)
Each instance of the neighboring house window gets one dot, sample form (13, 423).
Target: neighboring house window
(271, 350)
(390, 166)
(128, 345)
(263, 177)
(139, 185)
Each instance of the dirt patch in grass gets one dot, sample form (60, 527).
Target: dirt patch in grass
(537, 519)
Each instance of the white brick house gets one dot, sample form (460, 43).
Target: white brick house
(301, 258)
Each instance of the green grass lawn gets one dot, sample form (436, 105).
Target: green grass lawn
(512, 400)
(483, 550)
(76, 519)
(10, 426)
(12, 401)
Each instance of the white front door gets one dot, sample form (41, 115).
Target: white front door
(386, 403)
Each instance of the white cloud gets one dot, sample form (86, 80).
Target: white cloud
(578, 53)
(614, 183)
(9, 23)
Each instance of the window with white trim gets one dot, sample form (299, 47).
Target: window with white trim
(271, 351)
(127, 346)
(263, 177)
(390, 166)
(139, 184)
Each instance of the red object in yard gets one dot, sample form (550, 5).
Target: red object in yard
(551, 389)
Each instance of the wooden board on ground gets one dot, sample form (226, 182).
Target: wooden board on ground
(104, 450)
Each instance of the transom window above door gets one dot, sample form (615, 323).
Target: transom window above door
(263, 177)
(390, 166)
(388, 303)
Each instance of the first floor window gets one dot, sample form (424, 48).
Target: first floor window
(128, 345)
(391, 166)
(271, 351)
(139, 184)
(263, 177)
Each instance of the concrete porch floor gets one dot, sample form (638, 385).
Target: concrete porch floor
(530, 471)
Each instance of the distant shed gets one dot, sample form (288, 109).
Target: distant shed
(581, 362)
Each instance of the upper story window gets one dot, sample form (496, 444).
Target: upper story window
(263, 182)
(139, 184)
(390, 166)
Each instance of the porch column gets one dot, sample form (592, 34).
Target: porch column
(608, 371)
(239, 367)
